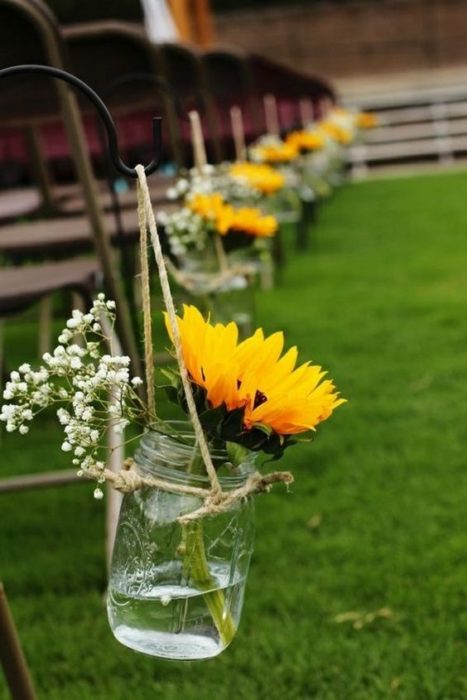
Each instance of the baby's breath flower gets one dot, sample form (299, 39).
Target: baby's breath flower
(92, 387)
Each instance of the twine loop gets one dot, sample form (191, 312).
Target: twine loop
(129, 479)
(216, 281)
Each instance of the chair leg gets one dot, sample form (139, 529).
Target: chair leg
(116, 456)
(12, 656)
(79, 303)
(45, 324)
(114, 498)
(40, 173)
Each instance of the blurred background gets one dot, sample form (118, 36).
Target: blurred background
(361, 45)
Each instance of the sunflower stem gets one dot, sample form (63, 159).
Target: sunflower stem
(195, 567)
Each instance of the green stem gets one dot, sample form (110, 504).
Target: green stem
(196, 568)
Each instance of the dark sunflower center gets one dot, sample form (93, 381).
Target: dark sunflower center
(260, 398)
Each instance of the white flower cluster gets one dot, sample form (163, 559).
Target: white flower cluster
(194, 182)
(186, 230)
(218, 179)
(95, 389)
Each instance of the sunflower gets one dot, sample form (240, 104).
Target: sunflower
(274, 152)
(253, 222)
(260, 176)
(226, 218)
(305, 140)
(208, 206)
(254, 378)
(276, 393)
(366, 120)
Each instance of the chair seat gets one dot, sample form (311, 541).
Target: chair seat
(19, 202)
(73, 202)
(20, 287)
(26, 201)
(61, 236)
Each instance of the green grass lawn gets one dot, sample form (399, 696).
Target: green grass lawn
(375, 521)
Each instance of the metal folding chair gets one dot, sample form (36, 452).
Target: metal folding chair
(12, 657)
(30, 102)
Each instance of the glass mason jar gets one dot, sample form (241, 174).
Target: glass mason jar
(231, 299)
(176, 590)
(285, 205)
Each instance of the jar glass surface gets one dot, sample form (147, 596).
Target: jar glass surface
(231, 299)
(176, 590)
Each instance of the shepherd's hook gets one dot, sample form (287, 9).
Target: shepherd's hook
(104, 114)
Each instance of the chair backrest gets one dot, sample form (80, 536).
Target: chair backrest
(230, 83)
(122, 65)
(183, 71)
(244, 80)
(28, 34)
(289, 87)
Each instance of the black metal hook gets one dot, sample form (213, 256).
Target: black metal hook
(103, 113)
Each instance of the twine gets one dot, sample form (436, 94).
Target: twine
(129, 479)
(144, 201)
(146, 303)
(217, 281)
